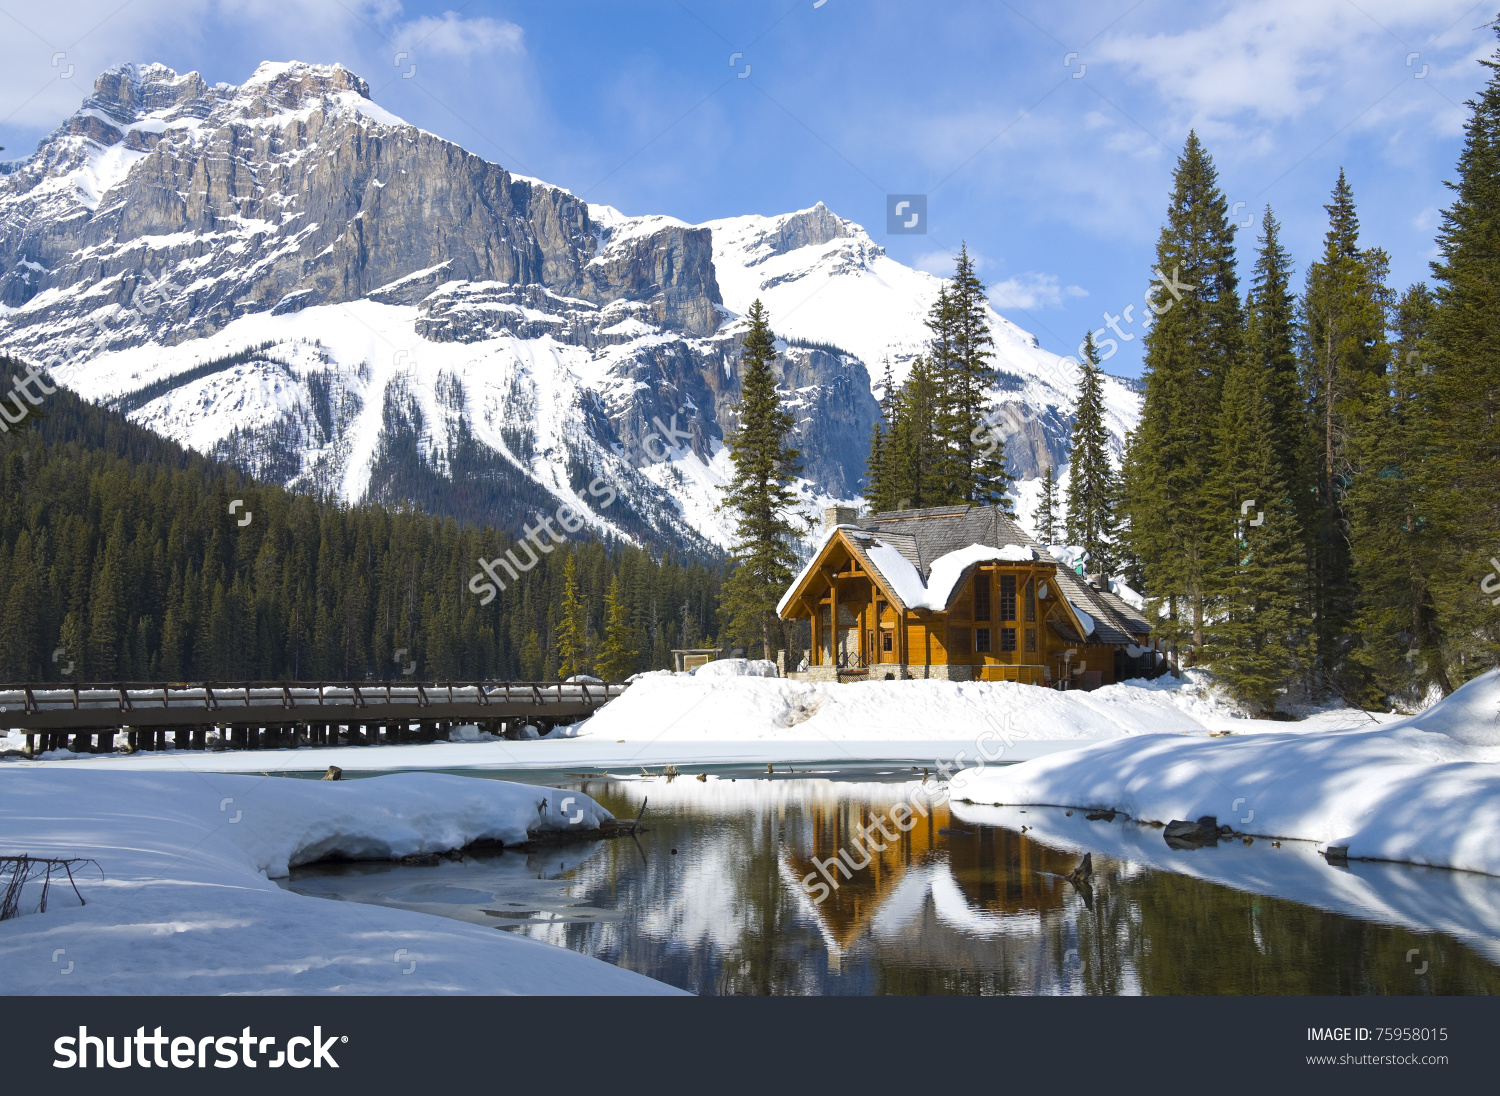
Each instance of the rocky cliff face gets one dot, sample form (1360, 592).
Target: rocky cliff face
(286, 274)
(291, 191)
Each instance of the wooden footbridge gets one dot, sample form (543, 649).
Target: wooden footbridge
(276, 715)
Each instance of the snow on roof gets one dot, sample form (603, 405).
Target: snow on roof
(1083, 618)
(902, 577)
(946, 571)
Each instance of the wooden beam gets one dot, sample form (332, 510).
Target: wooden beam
(816, 619)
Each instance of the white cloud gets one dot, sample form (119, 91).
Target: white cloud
(1031, 290)
(942, 262)
(1272, 61)
(457, 37)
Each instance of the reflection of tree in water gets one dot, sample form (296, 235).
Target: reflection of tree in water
(1195, 937)
(1160, 933)
(987, 912)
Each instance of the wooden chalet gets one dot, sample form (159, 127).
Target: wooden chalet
(960, 593)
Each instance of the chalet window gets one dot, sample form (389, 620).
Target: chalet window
(1030, 603)
(880, 610)
(885, 641)
(1008, 598)
(1007, 639)
(981, 596)
(958, 642)
(981, 639)
(1031, 641)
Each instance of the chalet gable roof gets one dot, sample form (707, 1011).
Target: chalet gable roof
(921, 558)
(901, 549)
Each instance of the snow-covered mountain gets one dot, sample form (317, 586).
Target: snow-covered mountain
(287, 275)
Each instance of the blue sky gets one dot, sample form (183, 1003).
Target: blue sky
(1043, 134)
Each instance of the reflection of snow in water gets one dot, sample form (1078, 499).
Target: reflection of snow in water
(1465, 905)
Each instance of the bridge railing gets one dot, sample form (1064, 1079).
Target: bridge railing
(302, 697)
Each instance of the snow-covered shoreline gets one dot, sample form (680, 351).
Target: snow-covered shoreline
(734, 719)
(1424, 790)
(188, 904)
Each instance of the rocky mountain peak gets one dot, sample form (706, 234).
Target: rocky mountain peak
(807, 228)
(286, 274)
(129, 92)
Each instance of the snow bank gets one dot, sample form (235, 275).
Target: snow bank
(737, 667)
(742, 708)
(187, 904)
(1424, 790)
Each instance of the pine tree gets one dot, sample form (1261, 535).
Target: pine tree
(970, 465)
(877, 478)
(879, 467)
(532, 667)
(617, 657)
(760, 494)
(1091, 491)
(572, 658)
(1046, 509)
(1260, 643)
(1344, 352)
(914, 445)
(1194, 338)
(1271, 339)
(1460, 484)
(1394, 552)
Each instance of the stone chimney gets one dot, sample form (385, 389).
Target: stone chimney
(839, 515)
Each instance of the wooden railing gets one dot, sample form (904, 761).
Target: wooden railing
(98, 707)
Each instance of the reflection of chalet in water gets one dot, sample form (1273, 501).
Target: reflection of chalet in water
(960, 593)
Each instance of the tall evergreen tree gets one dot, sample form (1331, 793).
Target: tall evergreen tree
(1461, 484)
(970, 463)
(914, 445)
(1344, 350)
(879, 466)
(1195, 337)
(1046, 509)
(1261, 642)
(760, 494)
(617, 656)
(1091, 491)
(1395, 554)
(533, 668)
(1271, 340)
(572, 651)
